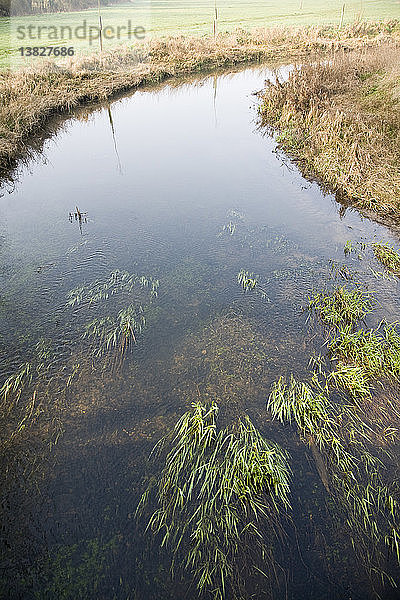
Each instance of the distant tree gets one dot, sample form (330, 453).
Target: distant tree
(4, 8)
(27, 7)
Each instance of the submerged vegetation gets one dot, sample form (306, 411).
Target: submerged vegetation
(381, 252)
(117, 282)
(350, 425)
(388, 257)
(116, 332)
(256, 238)
(250, 282)
(25, 396)
(119, 333)
(219, 500)
(342, 307)
(338, 436)
(365, 358)
(74, 571)
(341, 120)
(350, 435)
(362, 357)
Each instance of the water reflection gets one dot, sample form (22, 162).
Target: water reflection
(114, 138)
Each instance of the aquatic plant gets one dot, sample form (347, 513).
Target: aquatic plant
(119, 333)
(388, 257)
(348, 248)
(338, 437)
(249, 281)
(31, 393)
(116, 331)
(365, 356)
(11, 389)
(352, 379)
(235, 214)
(71, 571)
(361, 357)
(25, 378)
(382, 274)
(342, 306)
(256, 238)
(118, 281)
(355, 248)
(230, 228)
(216, 491)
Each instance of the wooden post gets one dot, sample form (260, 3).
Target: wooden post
(342, 17)
(100, 27)
(215, 18)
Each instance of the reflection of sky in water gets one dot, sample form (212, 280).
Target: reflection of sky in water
(157, 198)
(182, 158)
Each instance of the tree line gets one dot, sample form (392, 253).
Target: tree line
(31, 7)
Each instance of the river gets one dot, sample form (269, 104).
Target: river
(177, 184)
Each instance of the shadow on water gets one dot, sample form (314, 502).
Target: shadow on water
(186, 191)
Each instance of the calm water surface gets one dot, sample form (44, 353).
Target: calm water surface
(179, 184)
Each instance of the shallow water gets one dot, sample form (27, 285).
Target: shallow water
(177, 183)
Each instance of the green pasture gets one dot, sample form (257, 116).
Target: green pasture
(171, 17)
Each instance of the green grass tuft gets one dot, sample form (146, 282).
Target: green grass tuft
(363, 357)
(388, 257)
(250, 282)
(338, 438)
(342, 307)
(219, 497)
(120, 333)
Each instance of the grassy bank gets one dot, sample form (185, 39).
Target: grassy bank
(341, 121)
(29, 97)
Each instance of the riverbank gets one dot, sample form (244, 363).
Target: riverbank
(341, 122)
(29, 97)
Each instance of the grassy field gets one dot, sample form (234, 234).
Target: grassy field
(188, 17)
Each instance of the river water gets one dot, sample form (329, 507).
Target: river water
(178, 184)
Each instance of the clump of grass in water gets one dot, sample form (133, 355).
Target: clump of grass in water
(342, 307)
(25, 397)
(337, 436)
(118, 281)
(388, 257)
(249, 282)
(116, 332)
(214, 491)
(365, 356)
(119, 333)
(338, 430)
(11, 389)
(357, 248)
(361, 356)
(382, 252)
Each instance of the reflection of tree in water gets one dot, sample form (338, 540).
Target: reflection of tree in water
(114, 138)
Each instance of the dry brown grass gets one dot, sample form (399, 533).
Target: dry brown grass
(341, 120)
(29, 97)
